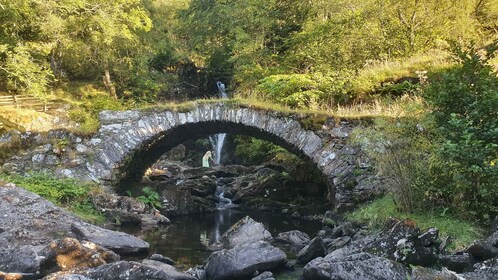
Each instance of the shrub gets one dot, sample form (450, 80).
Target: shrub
(303, 90)
(400, 147)
(150, 197)
(464, 104)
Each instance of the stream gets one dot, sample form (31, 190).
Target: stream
(187, 238)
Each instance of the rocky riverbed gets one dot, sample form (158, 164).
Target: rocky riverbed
(40, 240)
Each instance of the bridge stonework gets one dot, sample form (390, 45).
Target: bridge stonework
(128, 142)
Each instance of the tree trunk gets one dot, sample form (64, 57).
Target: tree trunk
(108, 84)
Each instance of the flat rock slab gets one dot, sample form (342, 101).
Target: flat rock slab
(119, 242)
(26, 219)
(125, 270)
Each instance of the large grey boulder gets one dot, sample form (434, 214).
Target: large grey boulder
(294, 238)
(313, 250)
(244, 231)
(242, 261)
(22, 259)
(358, 266)
(485, 270)
(28, 219)
(402, 241)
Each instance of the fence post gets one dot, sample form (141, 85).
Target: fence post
(15, 101)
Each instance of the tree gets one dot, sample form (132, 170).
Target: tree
(464, 102)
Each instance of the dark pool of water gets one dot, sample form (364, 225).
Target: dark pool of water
(186, 239)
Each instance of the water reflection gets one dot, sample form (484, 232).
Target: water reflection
(186, 240)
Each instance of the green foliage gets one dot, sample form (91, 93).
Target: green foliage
(25, 71)
(302, 90)
(87, 102)
(464, 102)
(150, 198)
(379, 211)
(255, 151)
(67, 193)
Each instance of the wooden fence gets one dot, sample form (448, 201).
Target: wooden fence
(26, 102)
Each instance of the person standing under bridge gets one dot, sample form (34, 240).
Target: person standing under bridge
(206, 158)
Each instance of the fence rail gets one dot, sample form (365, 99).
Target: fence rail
(27, 102)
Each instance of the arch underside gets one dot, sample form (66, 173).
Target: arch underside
(137, 161)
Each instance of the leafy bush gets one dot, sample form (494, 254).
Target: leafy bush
(464, 101)
(303, 90)
(254, 151)
(150, 198)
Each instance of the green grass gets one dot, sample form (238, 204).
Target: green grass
(376, 73)
(463, 233)
(67, 193)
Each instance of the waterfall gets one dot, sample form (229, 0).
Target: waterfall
(218, 140)
(222, 201)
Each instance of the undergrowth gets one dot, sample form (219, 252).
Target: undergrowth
(375, 214)
(67, 193)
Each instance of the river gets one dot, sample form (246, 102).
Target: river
(186, 239)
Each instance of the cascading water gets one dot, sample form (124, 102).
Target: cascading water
(222, 201)
(218, 140)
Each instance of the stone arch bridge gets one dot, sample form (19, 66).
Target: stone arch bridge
(128, 142)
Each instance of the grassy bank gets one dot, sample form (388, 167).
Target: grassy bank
(67, 193)
(463, 233)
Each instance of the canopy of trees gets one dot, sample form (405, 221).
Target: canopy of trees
(146, 49)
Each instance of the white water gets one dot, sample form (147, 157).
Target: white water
(217, 142)
(222, 201)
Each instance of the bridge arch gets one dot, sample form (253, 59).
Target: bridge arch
(128, 142)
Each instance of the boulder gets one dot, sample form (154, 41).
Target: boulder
(458, 263)
(28, 219)
(161, 258)
(57, 276)
(401, 241)
(178, 201)
(334, 244)
(125, 270)
(244, 231)
(294, 238)
(242, 261)
(69, 253)
(201, 187)
(481, 250)
(171, 271)
(118, 242)
(313, 250)
(23, 259)
(422, 273)
(358, 266)
(485, 270)
(429, 237)
(267, 275)
(493, 239)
